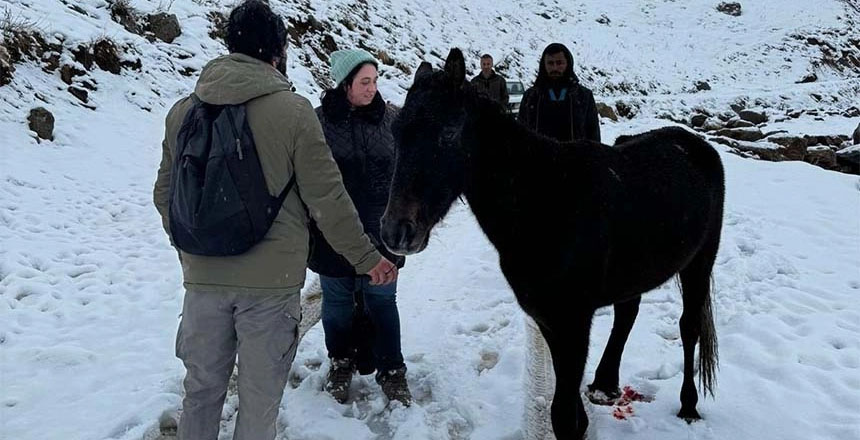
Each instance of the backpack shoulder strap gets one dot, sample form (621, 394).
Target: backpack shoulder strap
(290, 184)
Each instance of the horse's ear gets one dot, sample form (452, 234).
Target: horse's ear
(455, 67)
(423, 69)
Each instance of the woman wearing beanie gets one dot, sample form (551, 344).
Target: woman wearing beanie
(360, 320)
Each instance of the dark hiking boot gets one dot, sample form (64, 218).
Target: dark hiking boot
(394, 385)
(339, 378)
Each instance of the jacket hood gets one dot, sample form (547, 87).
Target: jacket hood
(238, 78)
(543, 78)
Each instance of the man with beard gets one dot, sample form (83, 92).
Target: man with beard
(557, 105)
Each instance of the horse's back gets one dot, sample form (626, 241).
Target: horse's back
(670, 150)
(669, 204)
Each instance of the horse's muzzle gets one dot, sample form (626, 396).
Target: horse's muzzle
(400, 236)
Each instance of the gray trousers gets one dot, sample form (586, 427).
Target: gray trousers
(217, 324)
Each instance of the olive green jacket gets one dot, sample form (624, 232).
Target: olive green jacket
(289, 141)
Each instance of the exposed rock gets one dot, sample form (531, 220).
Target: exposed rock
(702, 85)
(218, 25)
(712, 124)
(738, 106)
(606, 111)
(106, 56)
(753, 116)
(51, 62)
(827, 140)
(122, 13)
(82, 55)
(671, 117)
(89, 85)
(6, 67)
(27, 45)
(603, 19)
(695, 120)
(849, 159)
(750, 134)
(328, 43)
(383, 56)
(730, 8)
(79, 10)
(762, 150)
(738, 123)
(625, 110)
(79, 93)
(42, 122)
(68, 72)
(793, 147)
(822, 156)
(808, 78)
(857, 135)
(21, 44)
(136, 64)
(164, 26)
(298, 28)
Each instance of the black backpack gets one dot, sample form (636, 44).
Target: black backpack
(219, 203)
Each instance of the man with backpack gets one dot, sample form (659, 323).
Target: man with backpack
(243, 253)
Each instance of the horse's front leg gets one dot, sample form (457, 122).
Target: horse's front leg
(606, 376)
(568, 343)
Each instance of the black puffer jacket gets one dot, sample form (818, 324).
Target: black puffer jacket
(363, 147)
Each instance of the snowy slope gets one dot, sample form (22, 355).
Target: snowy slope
(90, 290)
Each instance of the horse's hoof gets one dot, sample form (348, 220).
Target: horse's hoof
(689, 415)
(602, 397)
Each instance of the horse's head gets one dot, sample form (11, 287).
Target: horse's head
(430, 157)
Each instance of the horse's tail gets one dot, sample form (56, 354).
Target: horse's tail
(708, 355)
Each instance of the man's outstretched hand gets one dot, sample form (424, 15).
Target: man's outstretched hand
(384, 272)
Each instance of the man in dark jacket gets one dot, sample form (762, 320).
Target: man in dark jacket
(490, 83)
(557, 105)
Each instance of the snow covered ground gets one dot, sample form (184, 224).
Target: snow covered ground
(90, 290)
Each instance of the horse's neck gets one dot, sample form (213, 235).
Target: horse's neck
(495, 152)
(497, 161)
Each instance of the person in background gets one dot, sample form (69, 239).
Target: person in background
(557, 105)
(489, 82)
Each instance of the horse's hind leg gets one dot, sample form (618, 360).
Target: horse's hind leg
(568, 344)
(697, 325)
(606, 376)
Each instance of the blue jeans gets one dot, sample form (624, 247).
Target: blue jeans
(380, 304)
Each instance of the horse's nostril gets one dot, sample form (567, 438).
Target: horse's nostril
(405, 233)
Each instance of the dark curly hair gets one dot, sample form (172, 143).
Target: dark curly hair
(254, 30)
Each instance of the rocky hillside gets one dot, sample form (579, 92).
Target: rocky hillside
(707, 64)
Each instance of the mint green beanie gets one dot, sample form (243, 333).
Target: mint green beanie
(343, 61)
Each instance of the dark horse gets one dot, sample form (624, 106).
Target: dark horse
(577, 225)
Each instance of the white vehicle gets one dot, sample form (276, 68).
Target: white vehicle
(515, 95)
